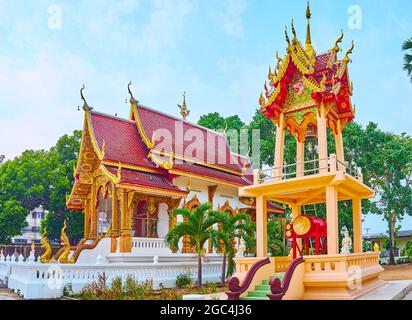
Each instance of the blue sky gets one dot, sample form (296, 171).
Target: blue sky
(217, 51)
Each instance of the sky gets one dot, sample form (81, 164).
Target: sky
(217, 51)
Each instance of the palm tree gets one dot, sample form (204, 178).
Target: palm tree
(232, 226)
(199, 228)
(275, 238)
(407, 46)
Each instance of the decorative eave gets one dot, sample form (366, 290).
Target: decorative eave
(167, 165)
(203, 178)
(154, 191)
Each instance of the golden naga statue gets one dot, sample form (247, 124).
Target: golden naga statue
(66, 245)
(45, 257)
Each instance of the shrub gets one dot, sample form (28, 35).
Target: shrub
(183, 280)
(409, 249)
(130, 290)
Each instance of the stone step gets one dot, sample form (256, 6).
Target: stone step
(391, 290)
(254, 298)
(258, 293)
(262, 287)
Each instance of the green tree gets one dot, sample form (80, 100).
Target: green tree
(233, 226)
(63, 157)
(12, 220)
(199, 228)
(407, 46)
(213, 121)
(276, 245)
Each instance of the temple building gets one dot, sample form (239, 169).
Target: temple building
(131, 173)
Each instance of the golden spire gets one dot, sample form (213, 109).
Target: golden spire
(309, 48)
(336, 48)
(184, 111)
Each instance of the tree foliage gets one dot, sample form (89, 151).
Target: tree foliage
(198, 226)
(35, 178)
(407, 65)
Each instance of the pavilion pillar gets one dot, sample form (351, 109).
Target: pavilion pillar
(340, 155)
(300, 158)
(357, 225)
(332, 220)
(261, 227)
(322, 139)
(115, 220)
(86, 212)
(279, 147)
(93, 213)
(126, 222)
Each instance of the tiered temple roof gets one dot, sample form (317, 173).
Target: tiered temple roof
(128, 153)
(303, 79)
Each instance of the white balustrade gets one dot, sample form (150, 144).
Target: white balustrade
(43, 281)
(150, 246)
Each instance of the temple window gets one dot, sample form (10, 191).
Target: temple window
(145, 223)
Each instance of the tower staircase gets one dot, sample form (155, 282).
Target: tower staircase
(261, 291)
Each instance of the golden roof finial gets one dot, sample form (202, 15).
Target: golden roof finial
(287, 36)
(336, 48)
(309, 48)
(132, 99)
(294, 32)
(85, 105)
(184, 111)
(350, 51)
(279, 59)
(270, 74)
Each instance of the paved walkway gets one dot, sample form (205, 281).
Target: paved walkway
(6, 294)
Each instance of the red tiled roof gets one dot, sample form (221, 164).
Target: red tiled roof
(211, 147)
(122, 140)
(145, 179)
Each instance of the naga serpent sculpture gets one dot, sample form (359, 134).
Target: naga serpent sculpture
(45, 257)
(66, 245)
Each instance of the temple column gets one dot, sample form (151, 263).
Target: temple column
(86, 212)
(357, 225)
(339, 147)
(261, 227)
(126, 221)
(93, 213)
(322, 139)
(300, 158)
(115, 220)
(332, 220)
(279, 147)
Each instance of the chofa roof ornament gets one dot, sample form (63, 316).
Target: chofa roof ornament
(86, 107)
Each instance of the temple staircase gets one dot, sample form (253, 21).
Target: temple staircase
(261, 291)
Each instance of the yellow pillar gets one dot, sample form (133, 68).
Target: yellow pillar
(93, 213)
(126, 232)
(300, 158)
(357, 225)
(340, 155)
(86, 213)
(332, 219)
(279, 147)
(322, 139)
(261, 227)
(115, 220)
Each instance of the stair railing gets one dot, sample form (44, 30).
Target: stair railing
(278, 288)
(234, 283)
